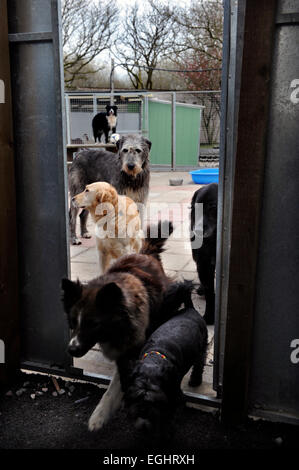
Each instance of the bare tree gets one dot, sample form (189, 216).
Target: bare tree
(201, 25)
(146, 39)
(199, 47)
(202, 29)
(165, 80)
(210, 116)
(88, 29)
(198, 44)
(99, 77)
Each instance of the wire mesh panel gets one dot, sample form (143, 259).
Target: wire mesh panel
(209, 124)
(132, 113)
(129, 112)
(80, 114)
(82, 108)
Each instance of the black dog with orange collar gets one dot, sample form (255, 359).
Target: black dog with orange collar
(154, 389)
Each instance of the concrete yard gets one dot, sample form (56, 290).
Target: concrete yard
(174, 203)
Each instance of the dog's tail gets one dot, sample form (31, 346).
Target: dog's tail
(177, 294)
(156, 236)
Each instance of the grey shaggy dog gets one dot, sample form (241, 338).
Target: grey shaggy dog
(127, 170)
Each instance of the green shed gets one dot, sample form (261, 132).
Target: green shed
(187, 128)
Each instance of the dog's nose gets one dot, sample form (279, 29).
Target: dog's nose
(131, 166)
(74, 347)
(74, 351)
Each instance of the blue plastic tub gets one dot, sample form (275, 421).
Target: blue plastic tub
(205, 176)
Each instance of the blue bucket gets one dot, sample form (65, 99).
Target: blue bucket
(205, 175)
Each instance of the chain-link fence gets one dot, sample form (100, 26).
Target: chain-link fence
(195, 121)
(80, 110)
(210, 122)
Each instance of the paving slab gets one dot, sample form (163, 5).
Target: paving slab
(174, 262)
(84, 271)
(76, 250)
(88, 255)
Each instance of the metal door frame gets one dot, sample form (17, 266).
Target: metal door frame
(41, 173)
(40, 161)
(42, 350)
(234, 13)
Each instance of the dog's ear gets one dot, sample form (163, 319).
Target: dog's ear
(107, 195)
(109, 296)
(115, 108)
(148, 143)
(72, 292)
(108, 107)
(119, 143)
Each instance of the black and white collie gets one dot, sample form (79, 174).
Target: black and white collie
(104, 122)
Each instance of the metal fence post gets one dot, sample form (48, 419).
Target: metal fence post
(112, 83)
(146, 121)
(95, 104)
(68, 124)
(173, 131)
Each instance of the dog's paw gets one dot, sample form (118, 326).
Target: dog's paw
(86, 235)
(75, 241)
(97, 420)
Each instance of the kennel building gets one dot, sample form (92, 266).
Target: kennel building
(257, 299)
(172, 126)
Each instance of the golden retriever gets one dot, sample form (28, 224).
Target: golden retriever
(118, 224)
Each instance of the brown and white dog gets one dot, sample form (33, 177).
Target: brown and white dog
(118, 224)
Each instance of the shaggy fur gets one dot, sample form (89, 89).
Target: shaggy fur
(117, 220)
(104, 122)
(128, 171)
(205, 256)
(153, 391)
(119, 310)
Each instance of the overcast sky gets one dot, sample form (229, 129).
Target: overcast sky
(141, 2)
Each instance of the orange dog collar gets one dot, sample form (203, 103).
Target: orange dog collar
(154, 352)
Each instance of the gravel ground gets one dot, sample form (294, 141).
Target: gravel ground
(34, 416)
